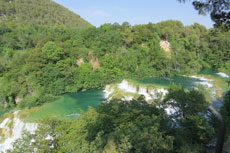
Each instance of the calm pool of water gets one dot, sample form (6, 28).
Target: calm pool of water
(69, 105)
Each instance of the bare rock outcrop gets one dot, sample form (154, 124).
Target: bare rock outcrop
(165, 45)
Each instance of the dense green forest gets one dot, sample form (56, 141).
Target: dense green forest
(45, 52)
(50, 60)
(128, 127)
(43, 12)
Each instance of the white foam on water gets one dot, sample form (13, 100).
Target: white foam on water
(15, 126)
(128, 88)
(143, 91)
(170, 110)
(200, 78)
(4, 122)
(224, 75)
(162, 91)
(204, 81)
(108, 91)
(209, 85)
(74, 114)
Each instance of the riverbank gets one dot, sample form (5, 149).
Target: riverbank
(70, 105)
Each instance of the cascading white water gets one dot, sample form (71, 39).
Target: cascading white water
(203, 81)
(108, 91)
(223, 75)
(4, 122)
(142, 90)
(11, 129)
(128, 88)
(170, 108)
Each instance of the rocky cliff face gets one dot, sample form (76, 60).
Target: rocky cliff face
(165, 45)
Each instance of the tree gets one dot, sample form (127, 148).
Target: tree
(219, 10)
(52, 51)
(45, 138)
(225, 110)
(189, 102)
(188, 116)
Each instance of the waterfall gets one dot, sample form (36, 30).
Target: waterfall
(223, 75)
(128, 91)
(11, 129)
(203, 81)
(143, 91)
(108, 91)
(126, 87)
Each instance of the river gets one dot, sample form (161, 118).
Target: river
(71, 105)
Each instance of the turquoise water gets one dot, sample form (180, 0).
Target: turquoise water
(211, 72)
(72, 104)
(189, 83)
(3, 111)
(184, 81)
(68, 105)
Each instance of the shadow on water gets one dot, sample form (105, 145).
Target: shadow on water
(84, 99)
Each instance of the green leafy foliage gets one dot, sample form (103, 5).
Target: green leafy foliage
(225, 110)
(120, 126)
(55, 60)
(192, 126)
(218, 10)
(52, 51)
(44, 12)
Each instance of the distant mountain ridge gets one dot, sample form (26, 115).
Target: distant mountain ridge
(43, 12)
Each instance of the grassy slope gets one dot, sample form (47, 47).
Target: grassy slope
(44, 12)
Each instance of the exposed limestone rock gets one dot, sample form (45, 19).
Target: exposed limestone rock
(143, 45)
(94, 61)
(17, 100)
(80, 61)
(165, 45)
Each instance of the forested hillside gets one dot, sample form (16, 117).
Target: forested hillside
(45, 52)
(43, 12)
(50, 60)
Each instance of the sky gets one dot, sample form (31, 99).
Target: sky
(99, 12)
